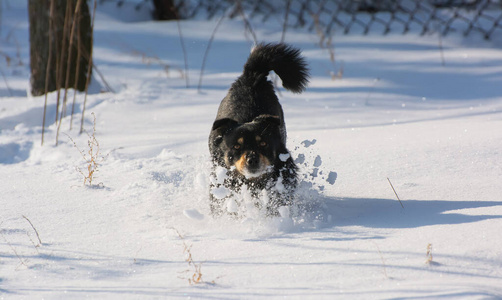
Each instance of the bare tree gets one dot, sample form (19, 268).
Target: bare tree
(60, 44)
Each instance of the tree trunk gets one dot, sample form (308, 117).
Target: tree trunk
(51, 23)
(165, 10)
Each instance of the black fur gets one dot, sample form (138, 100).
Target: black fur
(249, 134)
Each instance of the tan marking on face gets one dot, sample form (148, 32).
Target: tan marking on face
(258, 138)
(240, 165)
(240, 140)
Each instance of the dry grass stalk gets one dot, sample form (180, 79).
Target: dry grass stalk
(285, 24)
(182, 42)
(8, 60)
(60, 67)
(326, 42)
(89, 68)
(70, 50)
(247, 25)
(79, 55)
(21, 260)
(395, 193)
(73, 17)
(428, 254)
(36, 232)
(195, 272)
(440, 44)
(92, 158)
(63, 60)
(102, 77)
(185, 57)
(6, 83)
(207, 52)
(49, 63)
(383, 260)
(153, 59)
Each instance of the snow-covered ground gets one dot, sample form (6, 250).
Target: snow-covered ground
(397, 114)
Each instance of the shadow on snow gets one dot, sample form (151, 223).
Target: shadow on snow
(387, 213)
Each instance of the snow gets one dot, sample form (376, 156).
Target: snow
(397, 115)
(331, 177)
(193, 214)
(220, 192)
(284, 156)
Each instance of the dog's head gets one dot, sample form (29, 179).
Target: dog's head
(251, 148)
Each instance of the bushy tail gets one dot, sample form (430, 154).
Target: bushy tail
(284, 60)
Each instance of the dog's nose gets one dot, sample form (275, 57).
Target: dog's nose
(252, 159)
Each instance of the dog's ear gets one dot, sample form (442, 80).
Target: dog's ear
(219, 129)
(270, 119)
(224, 124)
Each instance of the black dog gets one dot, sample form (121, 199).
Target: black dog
(248, 137)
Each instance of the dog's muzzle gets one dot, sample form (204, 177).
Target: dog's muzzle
(252, 164)
(252, 161)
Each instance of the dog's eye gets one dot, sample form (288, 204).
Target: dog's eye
(263, 144)
(237, 146)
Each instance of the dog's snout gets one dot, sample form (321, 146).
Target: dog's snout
(252, 159)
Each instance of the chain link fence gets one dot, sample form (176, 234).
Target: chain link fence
(356, 16)
(363, 16)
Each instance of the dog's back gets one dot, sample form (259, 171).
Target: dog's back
(252, 94)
